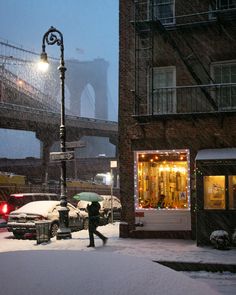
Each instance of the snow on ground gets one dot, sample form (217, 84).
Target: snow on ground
(123, 266)
(225, 282)
(153, 249)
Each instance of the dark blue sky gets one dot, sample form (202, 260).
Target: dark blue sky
(88, 25)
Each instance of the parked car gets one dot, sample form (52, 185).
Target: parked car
(15, 201)
(105, 211)
(22, 221)
(3, 211)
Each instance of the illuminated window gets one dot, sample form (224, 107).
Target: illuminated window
(232, 192)
(214, 192)
(162, 179)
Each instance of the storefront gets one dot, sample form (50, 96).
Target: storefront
(216, 192)
(162, 191)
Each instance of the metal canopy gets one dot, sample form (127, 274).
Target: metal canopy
(216, 154)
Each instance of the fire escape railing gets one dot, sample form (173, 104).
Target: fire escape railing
(189, 100)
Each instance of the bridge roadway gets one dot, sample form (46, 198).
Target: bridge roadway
(24, 107)
(32, 119)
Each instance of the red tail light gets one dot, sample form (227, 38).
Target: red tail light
(5, 209)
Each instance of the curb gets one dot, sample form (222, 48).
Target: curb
(198, 266)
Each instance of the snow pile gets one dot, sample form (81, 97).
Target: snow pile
(234, 238)
(220, 239)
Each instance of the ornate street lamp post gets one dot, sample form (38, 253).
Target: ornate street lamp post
(51, 37)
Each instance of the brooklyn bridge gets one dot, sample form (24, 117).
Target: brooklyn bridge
(29, 101)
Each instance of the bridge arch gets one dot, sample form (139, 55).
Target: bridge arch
(88, 102)
(79, 74)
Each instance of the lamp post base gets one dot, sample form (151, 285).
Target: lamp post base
(64, 232)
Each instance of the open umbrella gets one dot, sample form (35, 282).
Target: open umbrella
(88, 196)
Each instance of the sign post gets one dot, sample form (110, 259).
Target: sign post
(113, 164)
(72, 145)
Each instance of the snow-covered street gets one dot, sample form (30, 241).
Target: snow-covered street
(123, 266)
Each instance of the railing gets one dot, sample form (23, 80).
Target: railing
(213, 98)
(146, 11)
(22, 86)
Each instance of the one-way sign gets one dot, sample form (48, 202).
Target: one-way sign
(62, 156)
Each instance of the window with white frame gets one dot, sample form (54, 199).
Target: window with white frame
(225, 74)
(163, 94)
(164, 10)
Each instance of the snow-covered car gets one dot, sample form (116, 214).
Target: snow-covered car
(105, 211)
(22, 221)
(15, 201)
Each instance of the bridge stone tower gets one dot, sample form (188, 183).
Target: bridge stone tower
(80, 74)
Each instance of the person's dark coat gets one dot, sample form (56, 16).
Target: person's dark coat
(94, 217)
(93, 212)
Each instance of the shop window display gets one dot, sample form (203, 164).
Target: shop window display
(214, 192)
(162, 179)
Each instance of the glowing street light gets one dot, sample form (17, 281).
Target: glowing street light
(43, 64)
(51, 37)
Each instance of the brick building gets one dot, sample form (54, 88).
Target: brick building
(177, 118)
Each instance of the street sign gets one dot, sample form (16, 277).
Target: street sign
(75, 144)
(62, 156)
(113, 164)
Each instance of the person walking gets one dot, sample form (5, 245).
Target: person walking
(94, 217)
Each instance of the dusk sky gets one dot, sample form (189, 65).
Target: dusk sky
(89, 28)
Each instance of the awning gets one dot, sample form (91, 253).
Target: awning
(216, 154)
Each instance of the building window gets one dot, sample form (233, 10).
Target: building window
(164, 11)
(162, 179)
(225, 74)
(232, 192)
(226, 4)
(163, 98)
(220, 5)
(214, 192)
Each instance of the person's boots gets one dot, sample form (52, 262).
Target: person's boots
(105, 241)
(90, 245)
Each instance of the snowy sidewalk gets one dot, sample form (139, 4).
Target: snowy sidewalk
(153, 249)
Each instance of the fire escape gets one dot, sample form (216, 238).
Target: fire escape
(203, 95)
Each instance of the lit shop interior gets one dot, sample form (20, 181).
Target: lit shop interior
(162, 179)
(215, 192)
